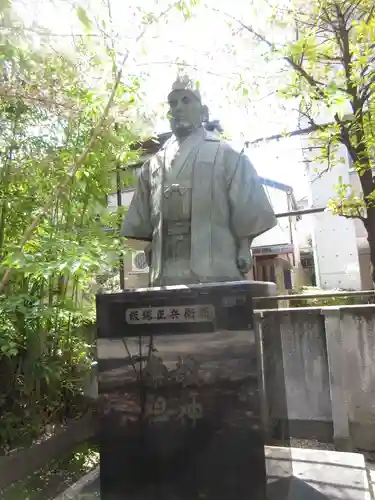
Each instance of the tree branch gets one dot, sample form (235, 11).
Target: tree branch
(293, 133)
(351, 8)
(309, 78)
(58, 192)
(297, 67)
(345, 138)
(357, 215)
(317, 85)
(45, 101)
(370, 14)
(367, 90)
(192, 66)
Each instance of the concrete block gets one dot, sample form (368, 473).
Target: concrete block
(317, 475)
(372, 481)
(87, 488)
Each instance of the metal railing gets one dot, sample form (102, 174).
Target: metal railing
(302, 296)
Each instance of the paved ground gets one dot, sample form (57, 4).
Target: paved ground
(317, 475)
(371, 474)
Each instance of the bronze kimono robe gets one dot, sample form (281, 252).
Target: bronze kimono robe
(228, 205)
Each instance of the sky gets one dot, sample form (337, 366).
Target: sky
(211, 53)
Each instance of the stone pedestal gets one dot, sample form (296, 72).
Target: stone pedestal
(292, 474)
(179, 393)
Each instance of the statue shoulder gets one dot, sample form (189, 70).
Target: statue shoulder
(144, 170)
(225, 147)
(212, 137)
(147, 163)
(232, 154)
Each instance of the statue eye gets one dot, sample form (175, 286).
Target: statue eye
(185, 99)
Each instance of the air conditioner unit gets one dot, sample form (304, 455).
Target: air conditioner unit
(139, 263)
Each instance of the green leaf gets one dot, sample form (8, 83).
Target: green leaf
(83, 17)
(245, 91)
(5, 4)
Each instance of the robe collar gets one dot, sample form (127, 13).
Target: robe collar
(182, 151)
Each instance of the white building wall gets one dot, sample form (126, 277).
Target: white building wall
(303, 227)
(126, 198)
(333, 237)
(280, 234)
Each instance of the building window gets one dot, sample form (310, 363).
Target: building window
(264, 273)
(272, 273)
(287, 279)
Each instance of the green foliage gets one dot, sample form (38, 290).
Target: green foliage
(347, 202)
(84, 18)
(56, 476)
(328, 50)
(324, 301)
(331, 62)
(48, 110)
(186, 7)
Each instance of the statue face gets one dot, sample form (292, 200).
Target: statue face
(185, 112)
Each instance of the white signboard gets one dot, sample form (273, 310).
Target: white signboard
(183, 314)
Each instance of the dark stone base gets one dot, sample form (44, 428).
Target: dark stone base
(198, 463)
(181, 417)
(204, 439)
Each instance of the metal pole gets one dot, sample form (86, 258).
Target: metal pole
(264, 407)
(304, 211)
(119, 204)
(363, 293)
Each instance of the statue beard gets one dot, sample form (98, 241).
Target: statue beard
(183, 130)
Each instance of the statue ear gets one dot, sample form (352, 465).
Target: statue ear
(205, 114)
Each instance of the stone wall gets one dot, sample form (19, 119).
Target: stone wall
(318, 373)
(319, 370)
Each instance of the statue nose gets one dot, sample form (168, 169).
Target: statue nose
(180, 105)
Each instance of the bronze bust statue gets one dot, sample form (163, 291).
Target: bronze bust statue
(198, 202)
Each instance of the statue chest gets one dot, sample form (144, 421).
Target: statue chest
(180, 182)
(172, 190)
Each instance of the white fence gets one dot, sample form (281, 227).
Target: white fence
(319, 371)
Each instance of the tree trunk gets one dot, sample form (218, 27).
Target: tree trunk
(368, 186)
(370, 228)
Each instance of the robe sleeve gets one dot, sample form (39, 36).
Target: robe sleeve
(250, 210)
(137, 223)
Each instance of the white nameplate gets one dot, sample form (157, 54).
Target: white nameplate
(182, 314)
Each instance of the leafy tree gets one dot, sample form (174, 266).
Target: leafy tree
(68, 122)
(66, 126)
(331, 72)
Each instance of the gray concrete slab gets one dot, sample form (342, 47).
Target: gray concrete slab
(372, 480)
(87, 488)
(317, 475)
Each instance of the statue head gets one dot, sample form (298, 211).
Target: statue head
(186, 112)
